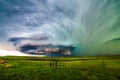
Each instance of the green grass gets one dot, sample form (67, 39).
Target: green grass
(68, 68)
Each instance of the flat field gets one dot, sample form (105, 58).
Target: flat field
(60, 68)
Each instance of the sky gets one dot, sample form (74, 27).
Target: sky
(92, 26)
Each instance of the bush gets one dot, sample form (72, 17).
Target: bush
(8, 66)
(2, 61)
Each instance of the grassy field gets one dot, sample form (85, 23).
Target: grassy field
(61, 68)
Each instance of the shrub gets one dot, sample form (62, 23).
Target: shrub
(8, 66)
(2, 61)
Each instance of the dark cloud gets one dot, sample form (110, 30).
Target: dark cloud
(46, 49)
(34, 45)
(38, 37)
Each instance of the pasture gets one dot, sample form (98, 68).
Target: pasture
(60, 68)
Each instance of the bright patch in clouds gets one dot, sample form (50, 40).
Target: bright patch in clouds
(15, 53)
(11, 53)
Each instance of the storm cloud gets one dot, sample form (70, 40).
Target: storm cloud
(82, 23)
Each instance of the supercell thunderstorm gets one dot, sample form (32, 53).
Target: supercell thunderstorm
(62, 27)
